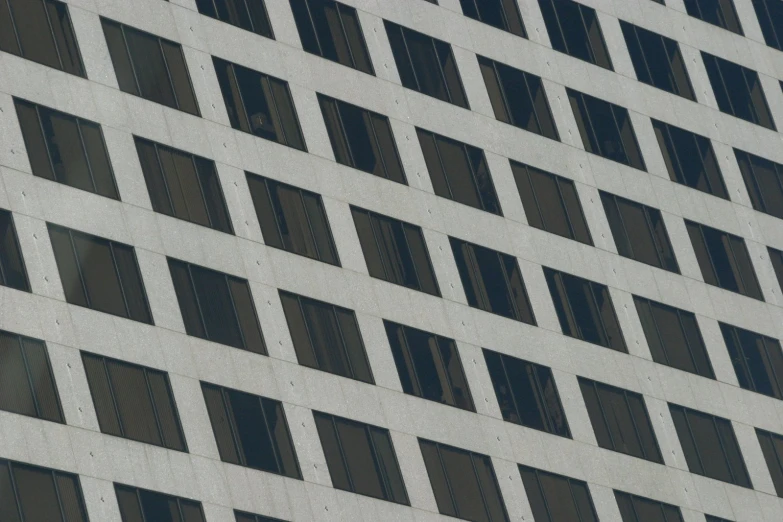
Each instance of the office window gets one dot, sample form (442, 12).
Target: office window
(251, 431)
(764, 181)
(639, 232)
(66, 149)
(41, 31)
(142, 505)
(292, 219)
(362, 139)
(527, 393)
(715, 12)
(217, 307)
(757, 360)
(640, 509)
(551, 203)
(557, 498)
(464, 483)
(134, 402)
(361, 458)
(770, 14)
(426, 64)
(710, 518)
(585, 310)
(32, 493)
(776, 256)
(99, 274)
(690, 159)
(574, 30)
(332, 30)
(183, 185)
(738, 91)
(674, 337)
(395, 251)
(518, 98)
(429, 366)
(724, 260)
(503, 14)
(259, 104)
(326, 337)
(492, 281)
(249, 517)
(772, 447)
(150, 67)
(459, 171)
(710, 446)
(12, 270)
(249, 15)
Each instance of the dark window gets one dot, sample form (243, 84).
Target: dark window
(292, 219)
(710, 446)
(134, 402)
(332, 30)
(715, 12)
(34, 494)
(99, 274)
(724, 260)
(326, 337)
(585, 310)
(249, 517)
(150, 66)
(777, 263)
(142, 505)
(556, 498)
(770, 14)
(361, 458)
(640, 509)
(738, 91)
(757, 360)
(639, 232)
(12, 270)
(251, 431)
(426, 64)
(518, 98)
(217, 306)
(459, 171)
(674, 337)
(259, 104)
(574, 29)
(772, 447)
(690, 159)
(764, 181)
(362, 139)
(464, 483)
(429, 366)
(250, 15)
(41, 31)
(503, 14)
(492, 281)
(66, 149)
(395, 251)
(527, 393)
(710, 518)
(183, 185)
(551, 203)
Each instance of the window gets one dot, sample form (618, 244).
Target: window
(585, 310)
(429, 366)
(36, 494)
(250, 15)
(738, 91)
(710, 518)
(292, 219)
(361, 458)
(724, 260)
(551, 203)
(395, 251)
(426, 65)
(217, 307)
(459, 171)
(326, 337)
(757, 360)
(12, 271)
(249, 517)
(770, 14)
(527, 393)
(362, 139)
(690, 159)
(772, 447)
(99, 274)
(715, 12)
(251, 431)
(674, 337)
(183, 185)
(503, 14)
(657, 60)
(518, 98)
(556, 498)
(140, 505)
(606, 129)
(709, 445)
(134, 402)
(332, 30)
(639, 232)
(574, 29)
(640, 509)
(41, 31)
(464, 483)
(66, 149)
(764, 181)
(259, 104)
(777, 263)
(150, 67)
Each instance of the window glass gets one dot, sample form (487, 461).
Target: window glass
(12, 270)
(757, 360)
(639, 509)
(772, 448)
(574, 29)
(764, 181)
(716, 12)
(503, 14)
(250, 15)
(770, 15)
(38, 493)
(557, 498)
(138, 505)
(249, 517)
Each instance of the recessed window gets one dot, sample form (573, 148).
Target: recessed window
(574, 30)
(142, 505)
(249, 517)
(710, 518)
(503, 14)
(770, 14)
(250, 15)
(429, 366)
(776, 256)
(12, 270)
(716, 12)
(764, 181)
(36, 493)
(557, 498)
(772, 447)
(757, 360)
(640, 509)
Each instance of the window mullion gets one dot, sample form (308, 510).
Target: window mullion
(688, 341)
(559, 25)
(307, 330)
(441, 71)
(231, 417)
(249, 17)
(543, 409)
(656, 243)
(377, 461)
(201, 191)
(772, 367)
(410, 252)
(658, 333)
(709, 254)
(273, 110)
(373, 228)
(732, 472)
(619, 132)
(454, 505)
(740, 275)
(506, 279)
(587, 34)
(725, 87)
(743, 358)
(446, 375)
(344, 132)
(481, 293)
(57, 494)
(378, 142)
(590, 123)
(13, 24)
(410, 57)
(502, 89)
(533, 102)
(141, 505)
(701, 158)
(565, 207)
(598, 310)
(535, 197)
(544, 496)
(644, 55)
(51, 35)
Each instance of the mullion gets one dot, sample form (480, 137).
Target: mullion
(86, 156)
(442, 165)
(725, 87)
(503, 95)
(440, 70)
(752, 106)
(471, 258)
(410, 57)
(685, 413)
(617, 128)
(588, 115)
(739, 272)
(29, 377)
(249, 17)
(512, 394)
(573, 498)
(201, 188)
(439, 355)
(409, 353)
(622, 223)
(413, 262)
(743, 358)
(3, 277)
(584, 26)
(543, 493)
(570, 311)
(446, 477)
(473, 175)
(243, 115)
(656, 243)
(306, 213)
(644, 54)
(560, 26)
(338, 111)
(164, 178)
(155, 414)
(546, 417)
(598, 310)
(271, 187)
(701, 156)
(373, 227)
(688, 342)
(535, 197)
(709, 254)
(269, 434)
(670, 73)
(141, 504)
(307, 329)
(46, 142)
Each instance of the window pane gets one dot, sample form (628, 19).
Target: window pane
(65, 148)
(180, 78)
(166, 410)
(332, 452)
(36, 493)
(15, 392)
(34, 34)
(132, 285)
(246, 313)
(354, 345)
(12, 270)
(100, 166)
(360, 459)
(100, 276)
(134, 404)
(219, 417)
(42, 379)
(574, 30)
(281, 438)
(217, 307)
(251, 432)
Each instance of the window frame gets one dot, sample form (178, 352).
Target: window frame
(767, 441)
(503, 6)
(13, 236)
(748, 164)
(138, 492)
(537, 473)
(738, 354)
(694, 9)
(773, 34)
(582, 8)
(665, 509)
(262, 3)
